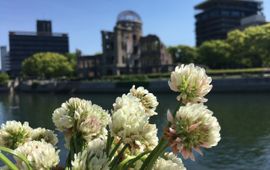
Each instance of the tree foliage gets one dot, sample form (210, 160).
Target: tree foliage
(242, 49)
(251, 47)
(215, 54)
(3, 78)
(47, 65)
(183, 54)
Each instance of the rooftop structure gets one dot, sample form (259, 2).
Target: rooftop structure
(253, 21)
(215, 18)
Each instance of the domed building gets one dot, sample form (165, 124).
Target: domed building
(122, 48)
(129, 16)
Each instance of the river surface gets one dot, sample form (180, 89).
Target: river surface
(244, 119)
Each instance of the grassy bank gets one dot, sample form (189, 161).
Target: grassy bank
(248, 72)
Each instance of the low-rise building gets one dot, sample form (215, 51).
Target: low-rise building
(154, 57)
(88, 67)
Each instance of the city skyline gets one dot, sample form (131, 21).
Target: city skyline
(173, 22)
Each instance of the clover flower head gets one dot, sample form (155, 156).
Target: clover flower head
(148, 100)
(93, 124)
(130, 123)
(169, 162)
(93, 157)
(14, 134)
(41, 155)
(47, 135)
(193, 127)
(65, 116)
(191, 82)
(82, 117)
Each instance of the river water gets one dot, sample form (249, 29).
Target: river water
(244, 119)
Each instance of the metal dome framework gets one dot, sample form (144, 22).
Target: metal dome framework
(130, 16)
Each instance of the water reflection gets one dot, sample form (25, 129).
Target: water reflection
(244, 119)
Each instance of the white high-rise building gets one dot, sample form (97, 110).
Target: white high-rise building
(4, 58)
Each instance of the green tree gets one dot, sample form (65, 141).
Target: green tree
(251, 47)
(183, 54)
(215, 54)
(47, 65)
(72, 58)
(3, 78)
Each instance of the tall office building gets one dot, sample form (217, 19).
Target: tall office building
(24, 44)
(4, 59)
(215, 18)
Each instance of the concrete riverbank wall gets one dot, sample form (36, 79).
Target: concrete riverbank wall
(157, 86)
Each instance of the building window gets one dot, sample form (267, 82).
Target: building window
(81, 64)
(236, 14)
(225, 13)
(214, 14)
(123, 59)
(134, 37)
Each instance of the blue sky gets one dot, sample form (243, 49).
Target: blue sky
(172, 20)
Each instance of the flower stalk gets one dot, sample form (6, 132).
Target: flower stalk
(153, 156)
(7, 162)
(12, 152)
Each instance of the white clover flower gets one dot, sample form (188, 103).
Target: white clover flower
(93, 157)
(82, 117)
(70, 111)
(148, 100)
(193, 127)
(47, 135)
(149, 139)
(192, 83)
(14, 134)
(127, 100)
(41, 155)
(93, 124)
(130, 123)
(62, 120)
(129, 119)
(169, 162)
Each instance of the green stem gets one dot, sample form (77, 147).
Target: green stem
(125, 162)
(158, 151)
(131, 161)
(115, 149)
(76, 145)
(7, 162)
(118, 157)
(109, 143)
(20, 156)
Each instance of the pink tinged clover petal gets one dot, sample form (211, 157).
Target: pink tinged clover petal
(193, 127)
(205, 145)
(169, 116)
(172, 131)
(187, 154)
(178, 140)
